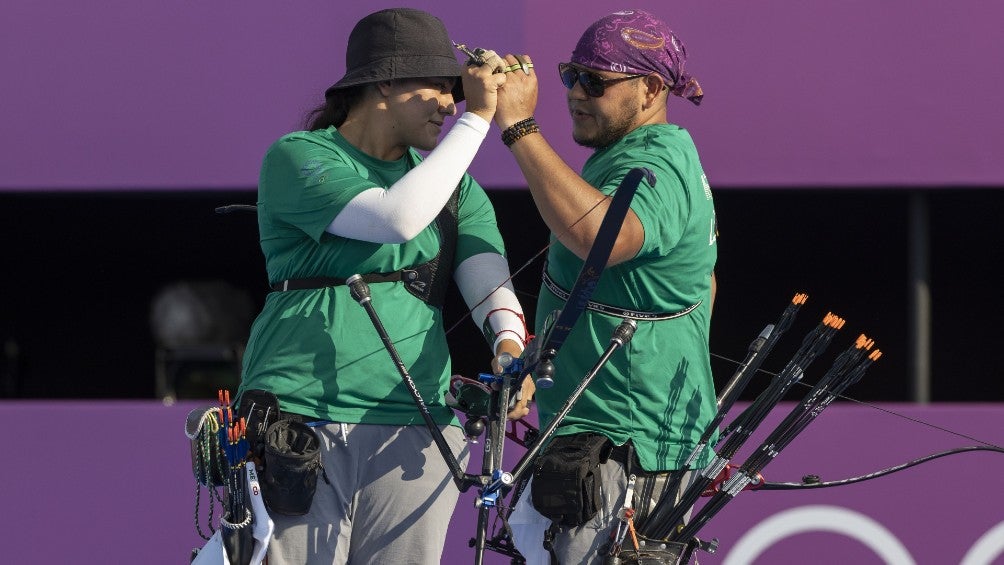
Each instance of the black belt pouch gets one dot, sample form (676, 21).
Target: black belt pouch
(566, 479)
(291, 460)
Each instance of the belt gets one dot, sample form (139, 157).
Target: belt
(323, 282)
(301, 419)
(620, 454)
(616, 310)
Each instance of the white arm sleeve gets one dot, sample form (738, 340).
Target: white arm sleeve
(480, 279)
(399, 213)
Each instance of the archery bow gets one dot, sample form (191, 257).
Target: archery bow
(538, 358)
(758, 350)
(668, 512)
(847, 369)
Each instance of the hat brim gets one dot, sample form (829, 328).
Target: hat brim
(392, 68)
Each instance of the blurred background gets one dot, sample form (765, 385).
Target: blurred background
(132, 294)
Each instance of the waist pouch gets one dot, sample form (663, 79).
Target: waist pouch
(292, 459)
(260, 409)
(566, 479)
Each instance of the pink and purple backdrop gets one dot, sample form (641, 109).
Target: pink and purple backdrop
(151, 95)
(84, 482)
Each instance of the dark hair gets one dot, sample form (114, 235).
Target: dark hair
(335, 108)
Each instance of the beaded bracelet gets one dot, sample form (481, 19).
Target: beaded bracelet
(518, 130)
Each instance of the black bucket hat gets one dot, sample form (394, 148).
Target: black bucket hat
(398, 43)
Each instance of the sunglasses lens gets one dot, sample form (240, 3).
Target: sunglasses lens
(591, 83)
(568, 76)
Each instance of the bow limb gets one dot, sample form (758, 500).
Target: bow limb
(812, 482)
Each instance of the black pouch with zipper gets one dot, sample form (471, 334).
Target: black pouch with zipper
(566, 478)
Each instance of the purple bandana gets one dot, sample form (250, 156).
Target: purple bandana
(636, 42)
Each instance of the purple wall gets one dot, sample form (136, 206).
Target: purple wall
(166, 95)
(83, 482)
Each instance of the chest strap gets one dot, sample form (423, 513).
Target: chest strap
(616, 310)
(428, 282)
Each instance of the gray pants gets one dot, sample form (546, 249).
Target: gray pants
(390, 499)
(579, 546)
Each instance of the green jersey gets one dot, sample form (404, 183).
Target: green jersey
(658, 391)
(317, 349)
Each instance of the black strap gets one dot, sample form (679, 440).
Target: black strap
(549, 535)
(322, 282)
(441, 265)
(428, 281)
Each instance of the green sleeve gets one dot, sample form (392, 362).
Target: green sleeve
(476, 223)
(662, 209)
(305, 184)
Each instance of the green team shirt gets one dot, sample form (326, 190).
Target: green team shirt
(317, 349)
(658, 391)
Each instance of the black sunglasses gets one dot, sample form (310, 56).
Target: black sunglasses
(592, 84)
